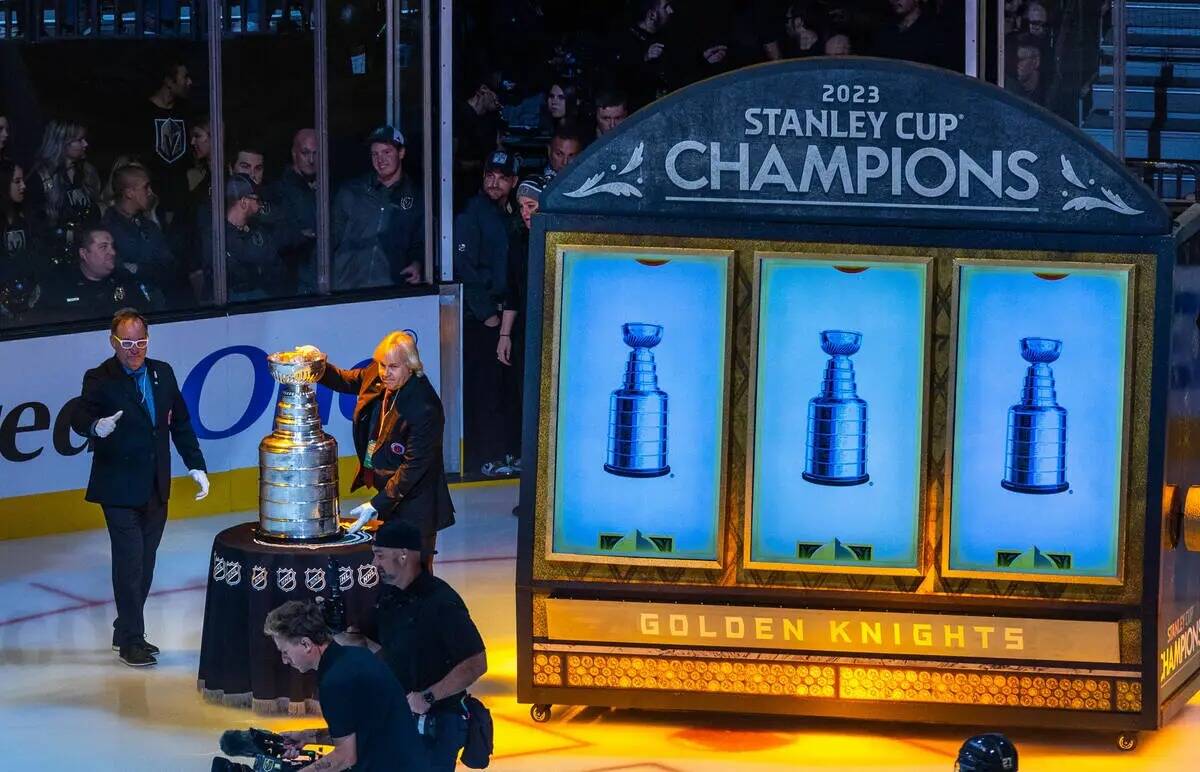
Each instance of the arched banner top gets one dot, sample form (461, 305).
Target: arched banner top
(856, 140)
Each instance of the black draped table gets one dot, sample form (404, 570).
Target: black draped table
(247, 578)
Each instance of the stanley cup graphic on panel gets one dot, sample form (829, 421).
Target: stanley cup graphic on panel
(1035, 457)
(637, 412)
(297, 462)
(836, 450)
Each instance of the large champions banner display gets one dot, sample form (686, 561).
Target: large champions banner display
(221, 365)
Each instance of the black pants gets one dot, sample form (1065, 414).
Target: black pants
(513, 387)
(483, 396)
(134, 533)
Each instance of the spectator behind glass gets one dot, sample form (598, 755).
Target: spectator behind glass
(378, 228)
(3, 136)
(63, 192)
(564, 146)
(637, 52)
(838, 44)
(612, 108)
(561, 106)
(294, 195)
(164, 121)
(1037, 25)
(247, 157)
(20, 262)
(477, 124)
(199, 176)
(913, 35)
(141, 246)
(800, 38)
(1027, 78)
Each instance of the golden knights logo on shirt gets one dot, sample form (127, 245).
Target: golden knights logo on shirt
(170, 139)
(14, 241)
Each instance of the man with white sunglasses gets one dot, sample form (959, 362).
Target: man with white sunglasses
(129, 406)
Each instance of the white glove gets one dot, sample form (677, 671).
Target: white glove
(202, 480)
(105, 426)
(363, 512)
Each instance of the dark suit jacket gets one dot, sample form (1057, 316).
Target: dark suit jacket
(409, 451)
(135, 459)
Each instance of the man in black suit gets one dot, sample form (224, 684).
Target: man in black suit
(398, 422)
(128, 407)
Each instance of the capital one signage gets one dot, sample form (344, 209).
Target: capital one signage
(871, 141)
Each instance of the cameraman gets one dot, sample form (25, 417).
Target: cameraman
(370, 725)
(427, 638)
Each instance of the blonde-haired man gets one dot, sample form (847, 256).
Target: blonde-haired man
(398, 422)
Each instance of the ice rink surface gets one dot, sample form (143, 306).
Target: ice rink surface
(66, 703)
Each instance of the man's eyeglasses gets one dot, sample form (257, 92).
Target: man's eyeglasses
(130, 345)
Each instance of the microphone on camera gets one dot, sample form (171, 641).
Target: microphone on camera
(238, 742)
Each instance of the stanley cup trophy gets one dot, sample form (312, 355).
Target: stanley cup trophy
(836, 450)
(1035, 457)
(637, 412)
(297, 462)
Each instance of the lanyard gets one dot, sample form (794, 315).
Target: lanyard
(383, 411)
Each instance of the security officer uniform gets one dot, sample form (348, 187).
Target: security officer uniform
(426, 631)
(377, 231)
(71, 296)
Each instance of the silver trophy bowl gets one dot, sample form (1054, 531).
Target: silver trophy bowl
(297, 461)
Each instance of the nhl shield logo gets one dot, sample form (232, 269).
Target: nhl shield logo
(170, 139)
(368, 576)
(256, 238)
(218, 573)
(233, 573)
(314, 579)
(406, 202)
(285, 579)
(258, 578)
(345, 578)
(14, 241)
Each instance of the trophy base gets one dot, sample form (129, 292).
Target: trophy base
(838, 482)
(272, 538)
(1037, 490)
(622, 472)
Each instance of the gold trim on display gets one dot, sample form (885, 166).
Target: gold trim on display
(548, 429)
(752, 395)
(952, 396)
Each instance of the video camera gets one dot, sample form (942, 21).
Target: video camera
(266, 748)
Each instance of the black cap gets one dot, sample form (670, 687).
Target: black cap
(502, 161)
(239, 186)
(531, 187)
(386, 134)
(397, 534)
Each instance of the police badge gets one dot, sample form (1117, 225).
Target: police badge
(314, 579)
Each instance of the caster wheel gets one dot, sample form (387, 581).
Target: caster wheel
(1127, 741)
(540, 713)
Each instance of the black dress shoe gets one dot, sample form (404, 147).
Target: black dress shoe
(136, 655)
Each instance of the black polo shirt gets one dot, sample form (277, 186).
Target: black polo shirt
(359, 696)
(425, 630)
